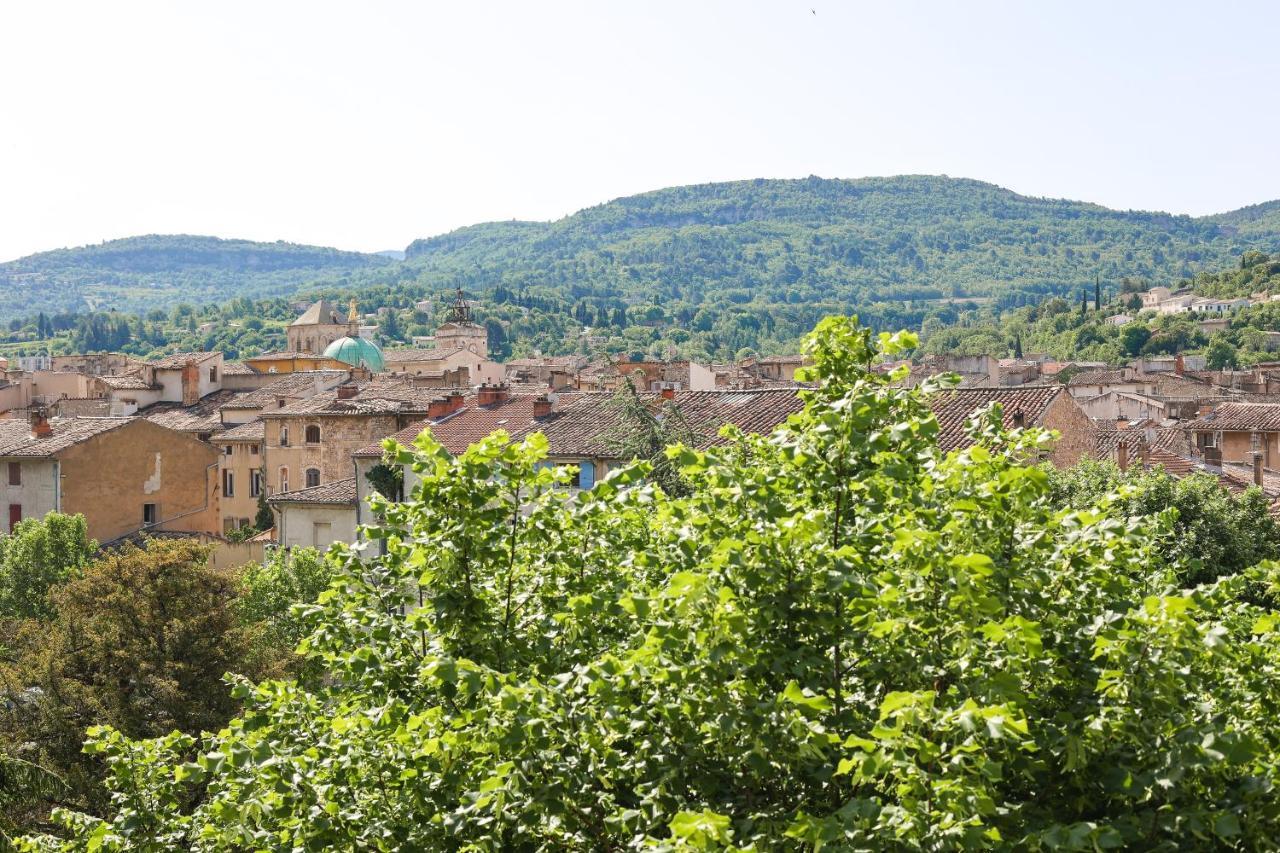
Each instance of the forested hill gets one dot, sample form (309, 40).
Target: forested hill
(156, 271)
(852, 242)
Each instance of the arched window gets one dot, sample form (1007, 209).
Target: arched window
(313, 477)
(284, 478)
(313, 434)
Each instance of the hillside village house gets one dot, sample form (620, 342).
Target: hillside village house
(1232, 432)
(309, 443)
(316, 517)
(1045, 406)
(122, 474)
(241, 463)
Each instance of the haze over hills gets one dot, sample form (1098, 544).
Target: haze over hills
(887, 247)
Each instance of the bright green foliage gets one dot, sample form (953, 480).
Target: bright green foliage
(840, 639)
(23, 784)
(270, 590)
(1214, 532)
(37, 555)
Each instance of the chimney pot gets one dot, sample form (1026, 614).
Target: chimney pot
(668, 393)
(346, 392)
(40, 427)
(541, 407)
(1257, 468)
(1019, 420)
(438, 408)
(1178, 364)
(1122, 456)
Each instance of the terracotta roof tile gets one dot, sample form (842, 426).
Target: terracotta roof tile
(954, 407)
(178, 360)
(1240, 417)
(290, 386)
(254, 430)
(204, 416)
(16, 438)
(337, 492)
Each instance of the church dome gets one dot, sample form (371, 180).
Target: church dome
(356, 352)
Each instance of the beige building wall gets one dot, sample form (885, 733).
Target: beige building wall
(314, 339)
(110, 478)
(1237, 447)
(301, 525)
(36, 493)
(244, 461)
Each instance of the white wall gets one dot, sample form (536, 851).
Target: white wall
(38, 493)
(299, 525)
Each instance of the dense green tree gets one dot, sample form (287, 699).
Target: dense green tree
(139, 641)
(39, 554)
(841, 638)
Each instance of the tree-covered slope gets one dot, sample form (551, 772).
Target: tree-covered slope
(909, 238)
(140, 273)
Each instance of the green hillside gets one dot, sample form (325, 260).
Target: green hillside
(141, 273)
(705, 271)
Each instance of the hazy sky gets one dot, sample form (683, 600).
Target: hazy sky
(364, 125)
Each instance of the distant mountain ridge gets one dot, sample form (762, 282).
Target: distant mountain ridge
(158, 270)
(886, 247)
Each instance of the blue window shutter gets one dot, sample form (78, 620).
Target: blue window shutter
(586, 475)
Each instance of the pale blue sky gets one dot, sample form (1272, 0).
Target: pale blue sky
(364, 125)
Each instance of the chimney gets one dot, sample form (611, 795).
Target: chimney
(1257, 468)
(438, 408)
(190, 383)
(1122, 455)
(541, 407)
(490, 395)
(348, 390)
(40, 424)
(1122, 423)
(455, 401)
(668, 393)
(1178, 364)
(1019, 420)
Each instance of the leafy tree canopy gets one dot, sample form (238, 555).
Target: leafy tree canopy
(839, 637)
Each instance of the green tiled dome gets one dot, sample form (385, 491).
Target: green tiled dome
(356, 352)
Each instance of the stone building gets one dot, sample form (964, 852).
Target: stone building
(319, 326)
(123, 474)
(241, 462)
(310, 442)
(1046, 406)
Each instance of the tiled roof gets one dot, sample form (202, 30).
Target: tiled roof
(781, 359)
(337, 492)
(177, 360)
(284, 354)
(1172, 463)
(381, 396)
(254, 430)
(302, 384)
(1240, 417)
(548, 361)
(1240, 477)
(587, 424)
(16, 439)
(1101, 377)
(201, 417)
(393, 356)
(126, 383)
(954, 407)
(1173, 439)
(237, 368)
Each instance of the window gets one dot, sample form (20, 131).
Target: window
(213, 374)
(313, 434)
(228, 484)
(149, 514)
(284, 478)
(586, 475)
(313, 477)
(15, 473)
(15, 515)
(227, 450)
(255, 484)
(253, 448)
(284, 436)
